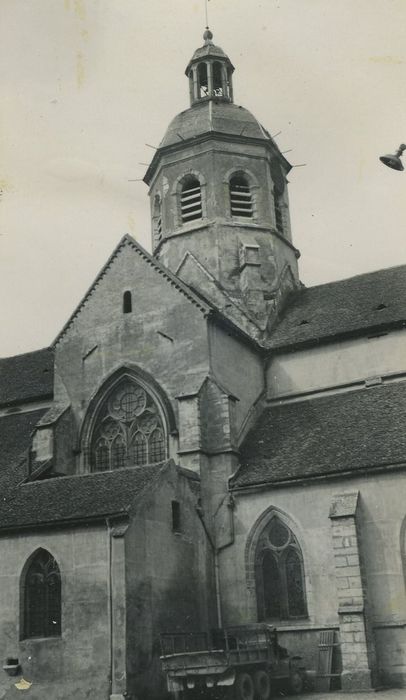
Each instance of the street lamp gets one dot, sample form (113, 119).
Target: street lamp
(393, 161)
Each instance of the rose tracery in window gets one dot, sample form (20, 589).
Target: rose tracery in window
(129, 431)
(279, 574)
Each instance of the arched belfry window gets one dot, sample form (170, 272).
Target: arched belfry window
(41, 588)
(240, 197)
(218, 80)
(279, 574)
(203, 80)
(129, 430)
(190, 199)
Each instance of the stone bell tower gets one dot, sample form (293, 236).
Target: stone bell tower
(218, 193)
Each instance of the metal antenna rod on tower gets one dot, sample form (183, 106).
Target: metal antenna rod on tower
(206, 6)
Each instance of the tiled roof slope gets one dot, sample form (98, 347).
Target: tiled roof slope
(79, 497)
(28, 377)
(15, 438)
(344, 432)
(368, 301)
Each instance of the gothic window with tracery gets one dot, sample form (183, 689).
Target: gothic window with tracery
(42, 597)
(129, 430)
(279, 573)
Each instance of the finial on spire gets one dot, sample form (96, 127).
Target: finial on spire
(208, 36)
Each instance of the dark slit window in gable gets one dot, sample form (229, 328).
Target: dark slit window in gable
(127, 303)
(176, 519)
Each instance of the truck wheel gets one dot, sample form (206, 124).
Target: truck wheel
(244, 687)
(296, 683)
(262, 685)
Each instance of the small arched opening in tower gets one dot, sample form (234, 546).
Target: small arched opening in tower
(191, 199)
(203, 79)
(240, 197)
(218, 81)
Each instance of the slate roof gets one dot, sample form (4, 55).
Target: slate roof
(15, 439)
(345, 432)
(79, 497)
(222, 117)
(28, 377)
(369, 301)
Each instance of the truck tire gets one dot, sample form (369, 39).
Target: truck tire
(244, 687)
(296, 683)
(262, 685)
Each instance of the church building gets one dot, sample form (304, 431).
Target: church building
(207, 442)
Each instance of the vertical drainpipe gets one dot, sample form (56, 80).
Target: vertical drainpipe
(110, 602)
(216, 551)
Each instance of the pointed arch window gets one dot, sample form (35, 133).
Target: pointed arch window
(126, 430)
(279, 574)
(190, 199)
(42, 597)
(241, 203)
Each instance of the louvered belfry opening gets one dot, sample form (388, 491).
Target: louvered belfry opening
(191, 200)
(241, 197)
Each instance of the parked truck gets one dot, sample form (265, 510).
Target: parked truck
(240, 663)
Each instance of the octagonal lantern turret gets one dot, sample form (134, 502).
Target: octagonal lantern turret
(210, 73)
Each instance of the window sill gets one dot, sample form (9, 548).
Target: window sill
(36, 640)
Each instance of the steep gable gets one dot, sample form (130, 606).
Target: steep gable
(140, 273)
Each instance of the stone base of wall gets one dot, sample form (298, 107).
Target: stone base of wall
(356, 681)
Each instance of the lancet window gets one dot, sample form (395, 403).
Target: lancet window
(279, 572)
(42, 597)
(129, 431)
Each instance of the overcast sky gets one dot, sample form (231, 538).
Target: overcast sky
(87, 83)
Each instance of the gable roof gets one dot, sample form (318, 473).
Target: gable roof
(371, 301)
(28, 377)
(79, 497)
(172, 279)
(345, 432)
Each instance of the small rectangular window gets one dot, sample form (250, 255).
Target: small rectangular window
(176, 519)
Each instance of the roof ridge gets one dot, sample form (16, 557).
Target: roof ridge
(354, 277)
(29, 352)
